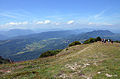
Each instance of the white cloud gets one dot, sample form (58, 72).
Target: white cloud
(99, 14)
(40, 22)
(47, 21)
(97, 17)
(17, 23)
(56, 23)
(108, 24)
(12, 23)
(91, 23)
(94, 23)
(43, 22)
(70, 22)
(99, 24)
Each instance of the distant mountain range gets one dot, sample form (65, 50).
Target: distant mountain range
(46, 35)
(92, 34)
(3, 37)
(14, 32)
(25, 33)
(31, 46)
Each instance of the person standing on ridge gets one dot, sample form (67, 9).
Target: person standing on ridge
(108, 40)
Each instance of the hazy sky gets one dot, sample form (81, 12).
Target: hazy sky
(34, 14)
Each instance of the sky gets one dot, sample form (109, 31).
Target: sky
(59, 14)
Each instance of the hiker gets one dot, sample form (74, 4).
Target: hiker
(111, 41)
(11, 61)
(108, 40)
(104, 40)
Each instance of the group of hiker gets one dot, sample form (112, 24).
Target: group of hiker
(107, 40)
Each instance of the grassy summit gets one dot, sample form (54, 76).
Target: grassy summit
(85, 61)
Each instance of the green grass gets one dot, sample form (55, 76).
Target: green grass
(93, 61)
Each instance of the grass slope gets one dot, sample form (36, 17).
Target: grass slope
(88, 61)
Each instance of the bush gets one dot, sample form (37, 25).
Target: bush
(4, 61)
(50, 53)
(117, 41)
(98, 39)
(92, 40)
(74, 43)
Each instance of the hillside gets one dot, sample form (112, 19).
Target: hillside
(31, 46)
(27, 49)
(87, 61)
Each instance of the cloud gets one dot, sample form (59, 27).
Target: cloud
(107, 24)
(99, 14)
(43, 22)
(100, 24)
(70, 22)
(17, 23)
(91, 23)
(47, 21)
(97, 17)
(40, 22)
(14, 15)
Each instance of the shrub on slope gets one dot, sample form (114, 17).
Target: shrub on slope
(74, 43)
(4, 61)
(50, 53)
(92, 40)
